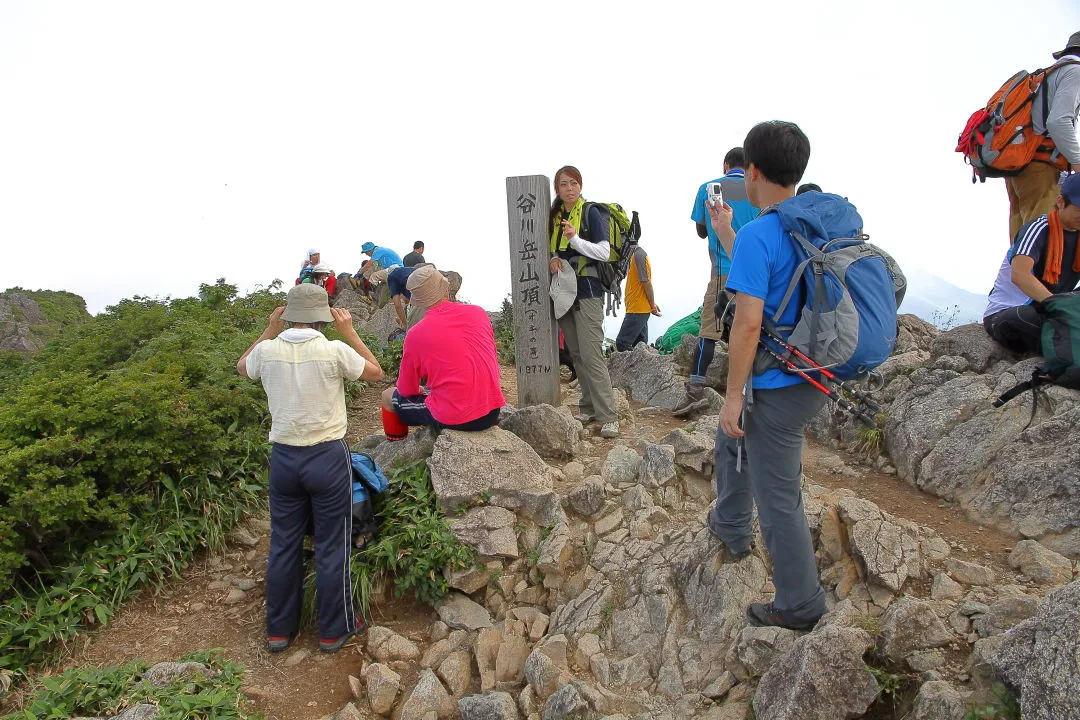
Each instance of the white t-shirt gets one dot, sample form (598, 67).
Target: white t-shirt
(303, 374)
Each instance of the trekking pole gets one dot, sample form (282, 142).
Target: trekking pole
(828, 374)
(829, 392)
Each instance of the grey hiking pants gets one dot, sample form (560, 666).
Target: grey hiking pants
(771, 469)
(583, 329)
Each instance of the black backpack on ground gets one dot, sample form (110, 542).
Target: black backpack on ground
(1060, 341)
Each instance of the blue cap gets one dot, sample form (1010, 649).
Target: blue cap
(1071, 189)
(367, 247)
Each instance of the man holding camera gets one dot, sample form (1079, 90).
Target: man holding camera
(731, 190)
(760, 437)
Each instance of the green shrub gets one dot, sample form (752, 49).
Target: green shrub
(129, 443)
(414, 543)
(413, 546)
(92, 691)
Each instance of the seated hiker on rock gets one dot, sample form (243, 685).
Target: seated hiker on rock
(396, 280)
(303, 375)
(1042, 261)
(449, 376)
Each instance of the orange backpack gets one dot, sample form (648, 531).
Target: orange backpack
(999, 140)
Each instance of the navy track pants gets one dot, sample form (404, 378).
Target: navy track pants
(310, 483)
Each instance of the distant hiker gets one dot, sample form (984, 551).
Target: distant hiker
(320, 275)
(449, 376)
(808, 187)
(385, 257)
(313, 258)
(303, 375)
(1043, 261)
(640, 303)
(770, 433)
(396, 281)
(1026, 133)
(734, 194)
(1054, 112)
(416, 256)
(574, 266)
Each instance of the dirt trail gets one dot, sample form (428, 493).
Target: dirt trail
(195, 615)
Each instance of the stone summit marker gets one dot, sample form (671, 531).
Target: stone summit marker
(528, 202)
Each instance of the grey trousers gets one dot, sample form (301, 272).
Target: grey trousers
(771, 468)
(583, 328)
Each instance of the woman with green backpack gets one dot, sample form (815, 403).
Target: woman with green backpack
(574, 267)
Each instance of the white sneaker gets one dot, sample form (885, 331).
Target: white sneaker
(610, 430)
(584, 418)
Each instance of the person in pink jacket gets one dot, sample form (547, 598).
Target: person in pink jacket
(449, 376)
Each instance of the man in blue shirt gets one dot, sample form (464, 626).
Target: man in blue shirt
(386, 258)
(769, 435)
(744, 211)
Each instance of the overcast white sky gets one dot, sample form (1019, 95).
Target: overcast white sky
(146, 147)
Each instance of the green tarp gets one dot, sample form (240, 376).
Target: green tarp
(670, 340)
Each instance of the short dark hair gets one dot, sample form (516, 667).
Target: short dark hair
(735, 158)
(779, 149)
(418, 245)
(808, 187)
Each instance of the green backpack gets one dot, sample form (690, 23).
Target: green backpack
(670, 340)
(1060, 349)
(624, 231)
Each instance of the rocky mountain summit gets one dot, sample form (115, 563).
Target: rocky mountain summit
(598, 592)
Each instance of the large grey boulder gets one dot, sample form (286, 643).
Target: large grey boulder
(164, 673)
(647, 376)
(915, 334)
(938, 700)
(427, 696)
(823, 677)
(418, 445)
(489, 529)
(492, 706)
(670, 607)
(974, 345)
(552, 432)
(945, 437)
(621, 465)
(695, 444)
(461, 613)
(566, 703)
(1040, 658)
(1041, 564)
(495, 466)
(657, 465)
(909, 625)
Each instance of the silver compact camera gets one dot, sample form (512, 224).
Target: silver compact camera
(716, 194)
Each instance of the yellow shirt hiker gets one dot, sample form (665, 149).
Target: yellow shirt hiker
(639, 303)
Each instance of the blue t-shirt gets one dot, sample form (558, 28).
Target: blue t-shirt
(396, 280)
(734, 191)
(385, 257)
(764, 263)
